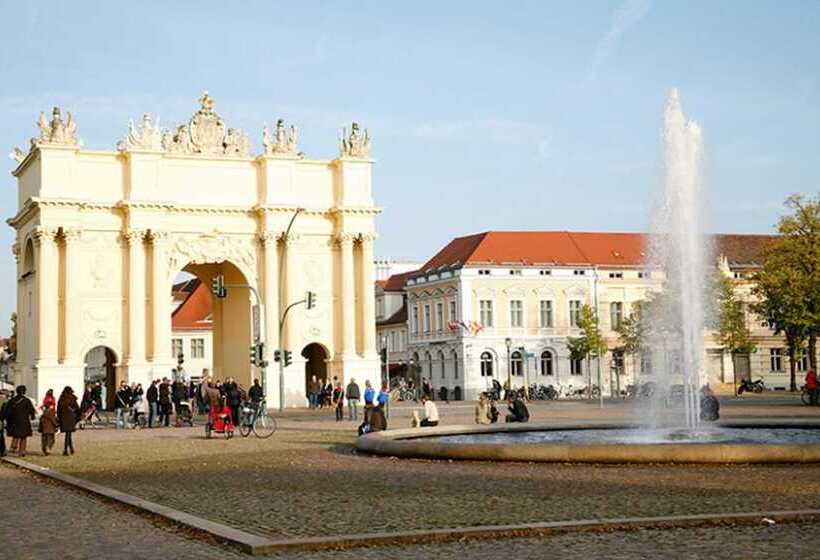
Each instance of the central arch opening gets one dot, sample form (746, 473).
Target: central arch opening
(315, 357)
(101, 374)
(210, 334)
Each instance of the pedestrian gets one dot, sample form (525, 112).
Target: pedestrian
(369, 393)
(122, 402)
(338, 401)
(179, 395)
(68, 412)
(4, 399)
(353, 395)
(97, 395)
(482, 413)
(19, 414)
(202, 392)
(48, 400)
(314, 390)
(426, 389)
(48, 428)
(377, 421)
(233, 397)
(152, 395)
(517, 410)
(430, 413)
(327, 392)
(255, 393)
(812, 386)
(165, 402)
(384, 396)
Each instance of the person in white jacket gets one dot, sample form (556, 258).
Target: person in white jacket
(430, 413)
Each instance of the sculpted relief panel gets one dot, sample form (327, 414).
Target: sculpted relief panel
(212, 248)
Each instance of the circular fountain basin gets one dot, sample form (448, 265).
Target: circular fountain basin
(731, 442)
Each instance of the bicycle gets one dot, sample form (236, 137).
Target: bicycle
(255, 418)
(92, 417)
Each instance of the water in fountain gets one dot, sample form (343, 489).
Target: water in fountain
(679, 248)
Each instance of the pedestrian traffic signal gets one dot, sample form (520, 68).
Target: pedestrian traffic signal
(310, 299)
(286, 357)
(218, 286)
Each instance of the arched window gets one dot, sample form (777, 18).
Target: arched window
(455, 364)
(576, 366)
(442, 364)
(486, 364)
(429, 366)
(546, 362)
(28, 258)
(516, 363)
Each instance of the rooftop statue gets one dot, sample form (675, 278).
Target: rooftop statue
(357, 145)
(56, 132)
(206, 134)
(146, 136)
(284, 142)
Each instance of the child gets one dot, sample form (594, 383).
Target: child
(48, 428)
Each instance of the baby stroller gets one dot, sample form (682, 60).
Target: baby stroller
(220, 421)
(184, 414)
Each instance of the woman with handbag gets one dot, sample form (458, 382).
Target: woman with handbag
(68, 413)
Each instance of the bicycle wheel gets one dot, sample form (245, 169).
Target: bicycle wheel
(245, 426)
(264, 426)
(804, 396)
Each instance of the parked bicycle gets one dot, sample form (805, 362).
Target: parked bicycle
(93, 417)
(255, 418)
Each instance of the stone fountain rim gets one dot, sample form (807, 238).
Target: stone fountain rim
(417, 443)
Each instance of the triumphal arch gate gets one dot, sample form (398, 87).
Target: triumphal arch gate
(102, 235)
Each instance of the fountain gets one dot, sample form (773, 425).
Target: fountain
(667, 429)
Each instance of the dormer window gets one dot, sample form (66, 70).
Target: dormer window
(545, 272)
(483, 271)
(616, 274)
(515, 272)
(579, 272)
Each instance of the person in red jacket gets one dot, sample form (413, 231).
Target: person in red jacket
(811, 386)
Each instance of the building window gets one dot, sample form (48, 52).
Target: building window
(574, 312)
(483, 271)
(515, 272)
(616, 314)
(415, 319)
(618, 361)
(545, 272)
(576, 366)
(545, 314)
(516, 313)
(546, 362)
(579, 272)
(486, 364)
(802, 363)
(439, 317)
(427, 318)
(197, 347)
(516, 363)
(646, 363)
(380, 307)
(176, 347)
(485, 308)
(776, 359)
(442, 365)
(455, 365)
(616, 274)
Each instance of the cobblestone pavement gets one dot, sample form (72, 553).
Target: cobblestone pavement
(307, 481)
(50, 521)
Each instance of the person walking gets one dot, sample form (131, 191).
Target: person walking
(19, 414)
(338, 400)
(122, 401)
(369, 393)
(165, 402)
(314, 389)
(233, 397)
(812, 387)
(48, 428)
(48, 400)
(152, 395)
(255, 393)
(4, 400)
(68, 412)
(353, 395)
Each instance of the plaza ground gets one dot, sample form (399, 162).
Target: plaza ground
(308, 481)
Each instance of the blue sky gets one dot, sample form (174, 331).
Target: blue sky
(484, 115)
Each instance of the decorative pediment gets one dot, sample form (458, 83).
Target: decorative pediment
(206, 134)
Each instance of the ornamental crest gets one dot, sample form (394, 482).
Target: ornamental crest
(206, 134)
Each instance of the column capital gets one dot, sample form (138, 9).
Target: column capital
(268, 238)
(158, 237)
(72, 234)
(44, 233)
(367, 238)
(345, 239)
(135, 236)
(290, 239)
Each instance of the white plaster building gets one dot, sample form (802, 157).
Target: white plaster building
(101, 235)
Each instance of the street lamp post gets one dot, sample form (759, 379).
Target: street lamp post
(284, 315)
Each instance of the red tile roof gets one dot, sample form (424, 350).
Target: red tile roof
(574, 248)
(396, 282)
(195, 312)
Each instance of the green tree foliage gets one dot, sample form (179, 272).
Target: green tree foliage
(591, 343)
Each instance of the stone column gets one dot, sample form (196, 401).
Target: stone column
(288, 290)
(47, 278)
(367, 297)
(345, 241)
(161, 304)
(71, 237)
(270, 290)
(136, 295)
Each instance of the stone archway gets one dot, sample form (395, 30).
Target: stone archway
(100, 367)
(315, 357)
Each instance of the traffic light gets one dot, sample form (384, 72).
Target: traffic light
(277, 355)
(260, 355)
(254, 355)
(384, 355)
(180, 359)
(286, 357)
(310, 299)
(218, 286)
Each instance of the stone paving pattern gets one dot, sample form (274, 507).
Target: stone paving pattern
(307, 481)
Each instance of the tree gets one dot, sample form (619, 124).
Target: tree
(729, 320)
(591, 343)
(631, 332)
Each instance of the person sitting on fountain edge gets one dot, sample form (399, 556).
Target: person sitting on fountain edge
(518, 410)
(430, 413)
(709, 405)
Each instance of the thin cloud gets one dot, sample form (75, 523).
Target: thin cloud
(627, 15)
